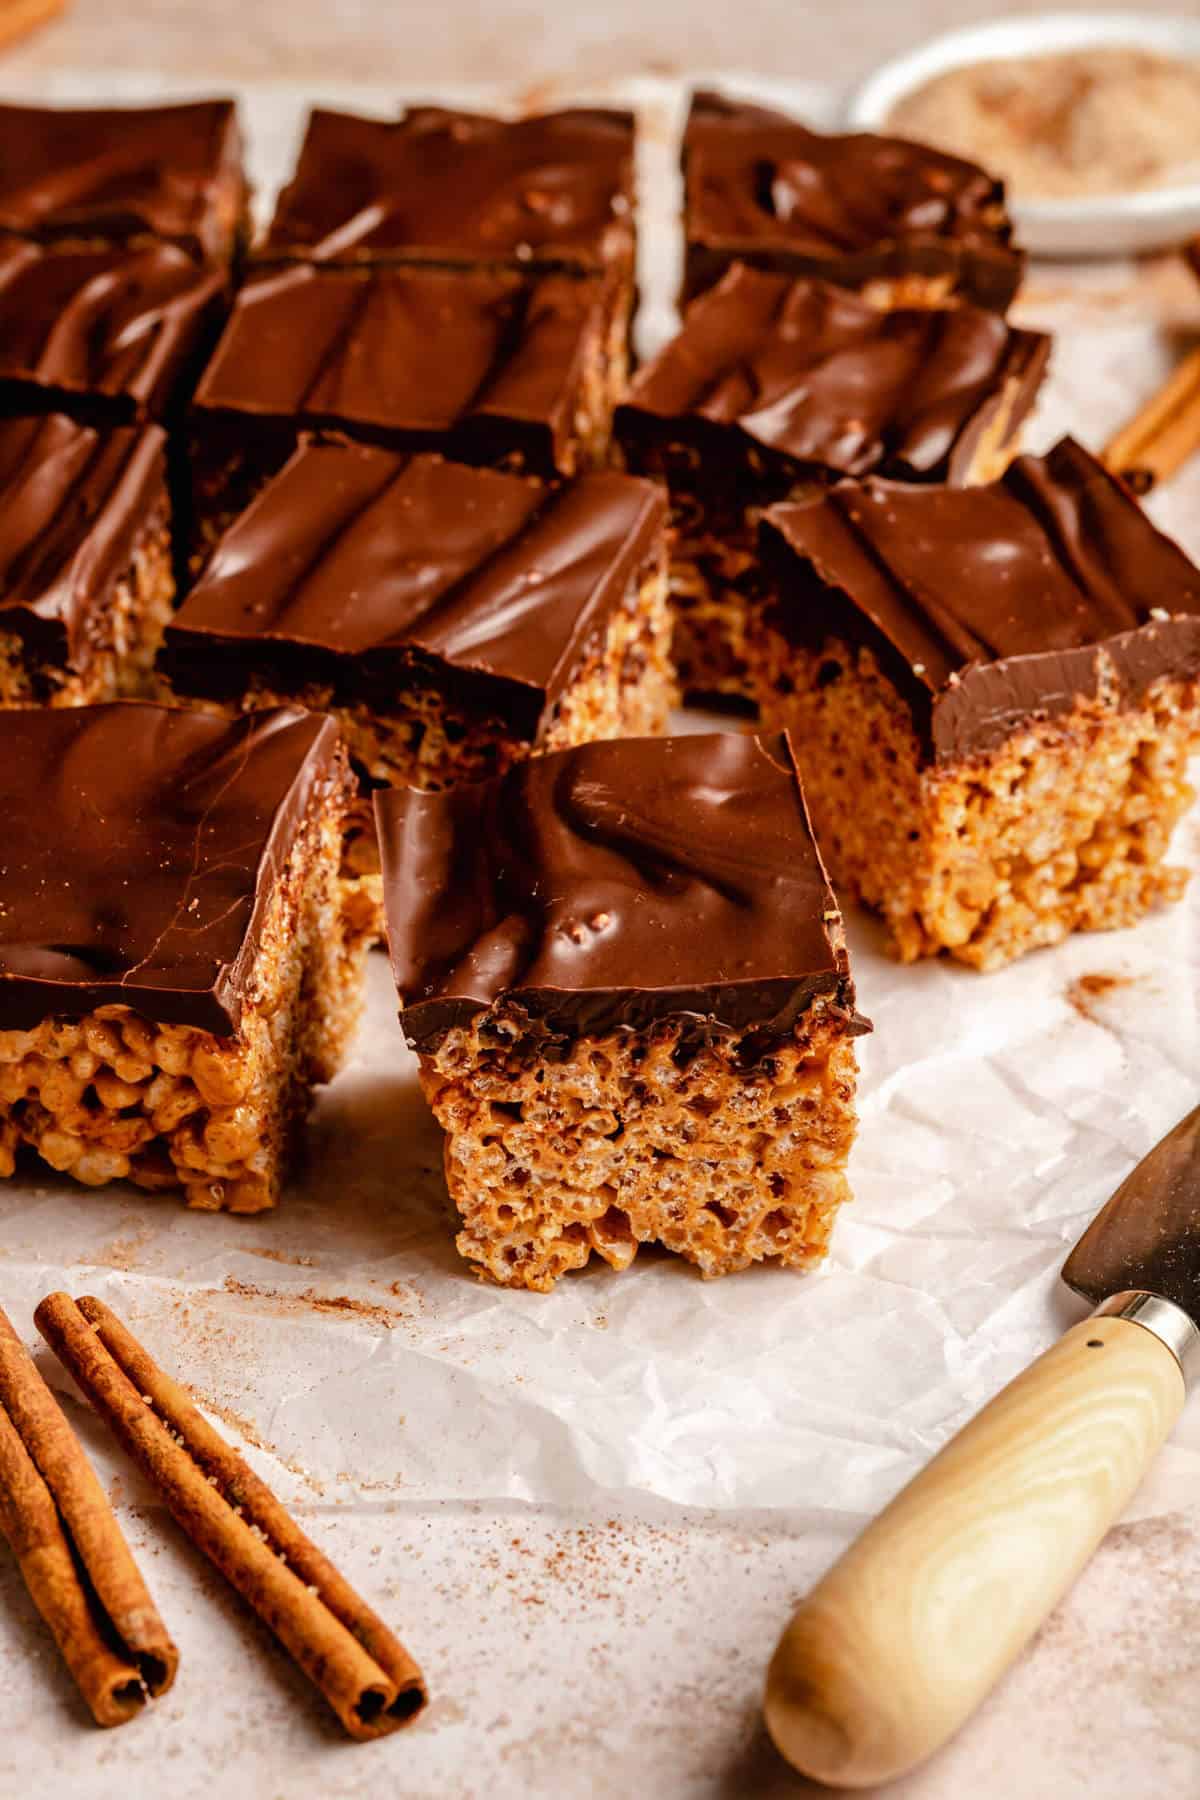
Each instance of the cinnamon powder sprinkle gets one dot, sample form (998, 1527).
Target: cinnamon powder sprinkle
(387, 1317)
(1086, 990)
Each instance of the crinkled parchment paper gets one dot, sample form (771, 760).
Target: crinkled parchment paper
(588, 1513)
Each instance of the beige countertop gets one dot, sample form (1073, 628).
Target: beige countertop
(508, 40)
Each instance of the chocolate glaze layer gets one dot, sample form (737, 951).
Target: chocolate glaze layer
(761, 187)
(141, 849)
(614, 885)
(74, 504)
(830, 385)
(436, 185)
(111, 332)
(370, 559)
(990, 606)
(481, 363)
(169, 172)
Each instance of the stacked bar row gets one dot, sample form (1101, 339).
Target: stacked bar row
(398, 561)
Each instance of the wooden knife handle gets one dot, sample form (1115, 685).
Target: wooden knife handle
(898, 1644)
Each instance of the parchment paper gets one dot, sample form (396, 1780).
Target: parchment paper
(589, 1512)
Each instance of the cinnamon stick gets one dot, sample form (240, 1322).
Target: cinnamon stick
(18, 17)
(1159, 439)
(363, 1670)
(74, 1559)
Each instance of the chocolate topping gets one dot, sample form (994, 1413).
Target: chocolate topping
(110, 332)
(761, 187)
(481, 363)
(614, 884)
(169, 172)
(455, 186)
(372, 558)
(141, 848)
(816, 376)
(74, 504)
(990, 606)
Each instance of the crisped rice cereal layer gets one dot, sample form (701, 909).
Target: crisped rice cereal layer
(1064, 827)
(723, 1149)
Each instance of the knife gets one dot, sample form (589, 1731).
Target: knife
(897, 1645)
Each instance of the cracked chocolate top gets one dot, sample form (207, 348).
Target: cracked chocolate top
(458, 186)
(141, 848)
(991, 606)
(615, 884)
(373, 559)
(813, 374)
(760, 185)
(74, 504)
(480, 363)
(108, 331)
(171, 172)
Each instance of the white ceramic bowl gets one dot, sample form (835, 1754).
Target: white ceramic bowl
(1102, 224)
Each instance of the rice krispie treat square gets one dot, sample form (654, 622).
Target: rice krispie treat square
(993, 693)
(547, 191)
(776, 387)
(902, 222)
(623, 969)
(86, 582)
(485, 366)
(175, 969)
(120, 174)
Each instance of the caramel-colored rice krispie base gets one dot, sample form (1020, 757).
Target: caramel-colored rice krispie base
(114, 1096)
(125, 639)
(725, 1153)
(1065, 827)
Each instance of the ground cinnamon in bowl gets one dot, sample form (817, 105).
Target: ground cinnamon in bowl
(1066, 125)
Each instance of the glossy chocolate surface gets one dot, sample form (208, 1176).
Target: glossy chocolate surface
(170, 172)
(74, 504)
(554, 188)
(614, 884)
(817, 377)
(141, 848)
(481, 363)
(363, 555)
(990, 606)
(111, 331)
(762, 187)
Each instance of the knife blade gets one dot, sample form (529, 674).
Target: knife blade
(896, 1646)
(1148, 1235)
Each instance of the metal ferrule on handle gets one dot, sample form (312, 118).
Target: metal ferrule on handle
(1169, 1323)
